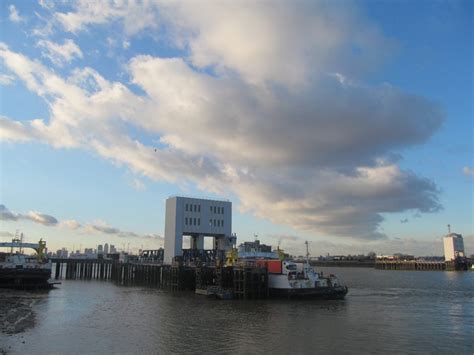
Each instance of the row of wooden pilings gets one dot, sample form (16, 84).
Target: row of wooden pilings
(175, 278)
(82, 269)
(241, 282)
(410, 265)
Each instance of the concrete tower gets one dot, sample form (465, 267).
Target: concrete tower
(453, 246)
(197, 218)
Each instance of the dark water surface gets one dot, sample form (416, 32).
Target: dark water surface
(385, 311)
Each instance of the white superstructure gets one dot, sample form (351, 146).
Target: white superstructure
(197, 218)
(453, 246)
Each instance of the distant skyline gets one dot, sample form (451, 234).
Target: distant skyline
(349, 124)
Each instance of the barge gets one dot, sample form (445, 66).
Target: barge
(21, 271)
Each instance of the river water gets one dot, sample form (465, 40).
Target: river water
(385, 311)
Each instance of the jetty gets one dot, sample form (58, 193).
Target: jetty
(243, 281)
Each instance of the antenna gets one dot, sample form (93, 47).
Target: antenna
(307, 253)
(449, 229)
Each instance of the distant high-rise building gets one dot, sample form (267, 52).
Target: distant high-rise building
(106, 248)
(100, 249)
(112, 249)
(62, 253)
(89, 252)
(453, 246)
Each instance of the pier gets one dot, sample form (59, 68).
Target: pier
(410, 265)
(240, 282)
(423, 265)
(81, 269)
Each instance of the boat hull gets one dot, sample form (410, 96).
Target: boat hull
(338, 292)
(25, 278)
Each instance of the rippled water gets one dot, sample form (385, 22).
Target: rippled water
(385, 311)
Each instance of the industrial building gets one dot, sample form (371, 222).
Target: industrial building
(197, 218)
(453, 246)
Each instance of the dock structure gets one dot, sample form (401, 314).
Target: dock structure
(250, 283)
(82, 269)
(410, 265)
(240, 282)
(423, 265)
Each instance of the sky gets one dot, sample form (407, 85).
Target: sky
(347, 124)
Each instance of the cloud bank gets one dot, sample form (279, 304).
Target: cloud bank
(89, 228)
(34, 216)
(468, 171)
(60, 53)
(275, 113)
(14, 14)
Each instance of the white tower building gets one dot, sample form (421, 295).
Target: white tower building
(196, 218)
(453, 246)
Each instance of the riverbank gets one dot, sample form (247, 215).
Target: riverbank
(16, 310)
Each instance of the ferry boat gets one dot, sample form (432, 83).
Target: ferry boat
(291, 279)
(18, 270)
(299, 280)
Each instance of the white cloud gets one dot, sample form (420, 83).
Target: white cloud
(89, 228)
(41, 218)
(46, 4)
(135, 15)
(104, 228)
(60, 53)
(13, 131)
(272, 125)
(280, 42)
(6, 79)
(70, 224)
(138, 185)
(45, 25)
(14, 15)
(7, 215)
(468, 171)
(318, 126)
(34, 216)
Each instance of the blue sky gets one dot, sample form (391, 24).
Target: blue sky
(348, 124)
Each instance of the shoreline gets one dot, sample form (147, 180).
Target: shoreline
(357, 264)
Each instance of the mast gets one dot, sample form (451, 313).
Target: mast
(307, 251)
(21, 243)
